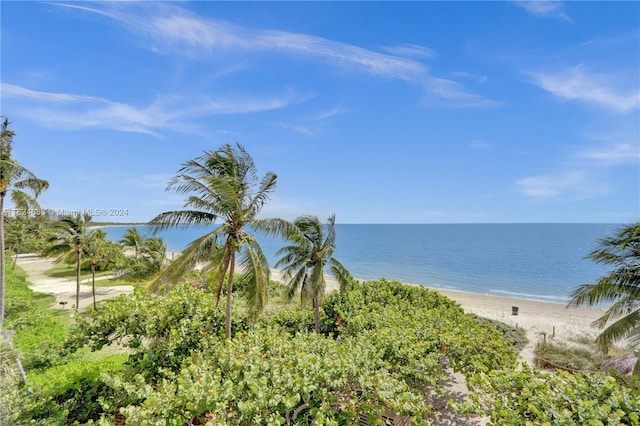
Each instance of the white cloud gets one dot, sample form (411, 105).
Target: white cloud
(178, 30)
(480, 144)
(411, 50)
(618, 154)
(301, 130)
(599, 89)
(544, 8)
(73, 112)
(151, 180)
(573, 185)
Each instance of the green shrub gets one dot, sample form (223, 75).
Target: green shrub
(265, 376)
(68, 393)
(516, 335)
(159, 331)
(531, 397)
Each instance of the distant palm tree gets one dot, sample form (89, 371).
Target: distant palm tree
(14, 179)
(133, 239)
(150, 260)
(304, 261)
(68, 243)
(222, 184)
(621, 286)
(95, 254)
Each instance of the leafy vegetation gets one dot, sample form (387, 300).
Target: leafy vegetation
(528, 396)
(517, 335)
(16, 180)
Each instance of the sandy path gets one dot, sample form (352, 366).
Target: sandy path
(64, 289)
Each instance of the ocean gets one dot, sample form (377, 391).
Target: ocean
(527, 261)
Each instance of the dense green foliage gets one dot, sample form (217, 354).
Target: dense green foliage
(529, 396)
(73, 392)
(23, 187)
(39, 332)
(159, 331)
(384, 345)
(26, 234)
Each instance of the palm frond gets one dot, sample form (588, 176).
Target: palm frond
(176, 218)
(619, 329)
(199, 250)
(341, 274)
(255, 267)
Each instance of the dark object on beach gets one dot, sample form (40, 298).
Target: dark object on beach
(623, 364)
(514, 310)
(63, 303)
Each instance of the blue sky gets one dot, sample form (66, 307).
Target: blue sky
(416, 112)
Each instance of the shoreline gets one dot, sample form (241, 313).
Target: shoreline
(548, 321)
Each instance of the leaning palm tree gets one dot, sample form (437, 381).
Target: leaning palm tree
(68, 243)
(304, 260)
(620, 286)
(150, 259)
(133, 239)
(14, 179)
(222, 184)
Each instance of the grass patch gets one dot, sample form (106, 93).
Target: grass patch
(560, 356)
(63, 270)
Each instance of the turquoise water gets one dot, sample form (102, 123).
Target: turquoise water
(528, 261)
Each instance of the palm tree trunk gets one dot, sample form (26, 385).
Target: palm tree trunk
(79, 255)
(93, 284)
(15, 258)
(227, 324)
(222, 273)
(316, 313)
(2, 276)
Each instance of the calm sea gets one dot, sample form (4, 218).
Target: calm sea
(528, 261)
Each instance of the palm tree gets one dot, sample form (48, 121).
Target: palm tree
(68, 243)
(14, 179)
(95, 251)
(150, 260)
(304, 261)
(620, 286)
(132, 239)
(222, 184)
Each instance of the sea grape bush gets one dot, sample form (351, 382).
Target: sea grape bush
(159, 331)
(420, 323)
(265, 376)
(385, 346)
(529, 396)
(65, 394)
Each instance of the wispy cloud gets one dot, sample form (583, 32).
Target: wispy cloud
(301, 130)
(573, 185)
(618, 154)
(73, 112)
(410, 50)
(597, 89)
(480, 144)
(176, 30)
(544, 8)
(150, 180)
